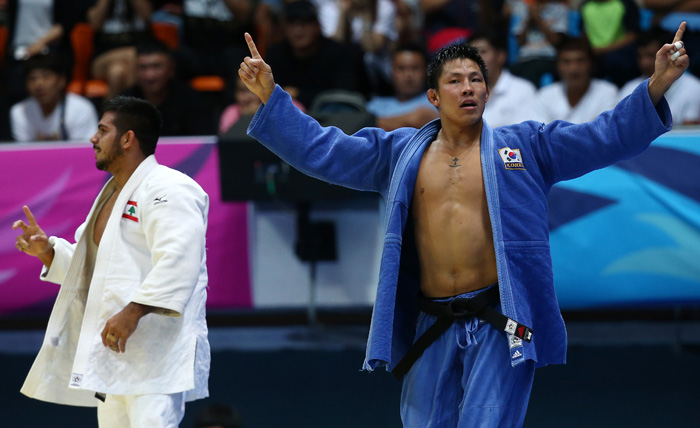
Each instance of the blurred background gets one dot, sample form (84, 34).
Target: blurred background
(293, 262)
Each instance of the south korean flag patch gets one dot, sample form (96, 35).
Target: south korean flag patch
(512, 159)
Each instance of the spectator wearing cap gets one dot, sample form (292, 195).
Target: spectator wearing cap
(182, 108)
(49, 113)
(306, 63)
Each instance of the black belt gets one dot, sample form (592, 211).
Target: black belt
(459, 308)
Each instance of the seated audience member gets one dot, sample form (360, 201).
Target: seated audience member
(578, 97)
(36, 27)
(181, 107)
(611, 27)
(509, 96)
(538, 26)
(212, 40)
(683, 96)
(49, 113)
(308, 62)
(119, 25)
(369, 26)
(409, 106)
(246, 105)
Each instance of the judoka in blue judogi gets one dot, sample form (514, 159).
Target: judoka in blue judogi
(466, 229)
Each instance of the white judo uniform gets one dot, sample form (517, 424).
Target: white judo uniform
(152, 252)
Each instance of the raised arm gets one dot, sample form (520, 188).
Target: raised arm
(255, 73)
(667, 69)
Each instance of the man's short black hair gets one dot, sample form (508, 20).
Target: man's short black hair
(49, 62)
(450, 53)
(497, 39)
(569, 43)
(412, 47)
(139, 116)
(149, 47)
(654, 35)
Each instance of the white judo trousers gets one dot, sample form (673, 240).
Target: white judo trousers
(141, 411)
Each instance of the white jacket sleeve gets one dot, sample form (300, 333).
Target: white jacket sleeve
(174, 216)
(63, 254)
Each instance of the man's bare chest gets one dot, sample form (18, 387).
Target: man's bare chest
(103, 217)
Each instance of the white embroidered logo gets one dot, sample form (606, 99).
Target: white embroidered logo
(510, 326)
(76, 379)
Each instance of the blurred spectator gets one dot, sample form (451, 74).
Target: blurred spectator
(37, 27)
(611, 27)
(218, 416)
(409, 21)
(510, 97)
(450, 21)
(538, 26)
(246, 104)
(182, 108)
(684, 95)
(212, 42)
(49, 113)
(119, 25)
(367, 24)
(169, 11)
(306, 63)
(409, 106)
(577, 98)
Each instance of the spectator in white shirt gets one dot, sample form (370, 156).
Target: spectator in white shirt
(509, 96)
(409, 105)
(577, 98)
(683, 96)
(49, 114)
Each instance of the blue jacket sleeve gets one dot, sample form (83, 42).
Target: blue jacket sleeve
(362, 161)
(565, 150)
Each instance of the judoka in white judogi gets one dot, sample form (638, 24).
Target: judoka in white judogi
(152, 253)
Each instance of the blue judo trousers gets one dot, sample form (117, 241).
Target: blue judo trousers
(465, 379)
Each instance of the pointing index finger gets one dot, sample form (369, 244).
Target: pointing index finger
(251, 45)
(30, 216)
(679, 33)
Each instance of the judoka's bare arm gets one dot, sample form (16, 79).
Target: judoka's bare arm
(667, 71)
(122, 325)
(255, 73)
(33, 240)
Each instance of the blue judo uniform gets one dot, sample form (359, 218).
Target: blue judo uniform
(520, 164)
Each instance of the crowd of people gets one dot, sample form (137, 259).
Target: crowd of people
(547, 59)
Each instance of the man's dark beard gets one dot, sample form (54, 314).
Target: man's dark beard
(103, 164)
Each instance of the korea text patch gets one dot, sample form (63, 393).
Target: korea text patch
(512, 159)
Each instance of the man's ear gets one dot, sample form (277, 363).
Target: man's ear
(434, 97)
(488, 92)
(128, 140)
